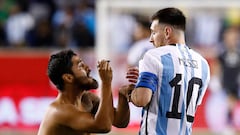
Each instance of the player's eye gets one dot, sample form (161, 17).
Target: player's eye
(152, 33)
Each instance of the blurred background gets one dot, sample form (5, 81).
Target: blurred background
(30, 30)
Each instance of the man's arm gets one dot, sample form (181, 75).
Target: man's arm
(105, 72)
(122, 112)
(92, 102)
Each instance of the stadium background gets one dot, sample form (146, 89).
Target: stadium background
(25, 90)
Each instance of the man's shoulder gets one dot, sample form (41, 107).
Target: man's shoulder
(53, 109)
(58, 110)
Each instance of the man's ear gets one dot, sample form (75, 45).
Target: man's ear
(67, 78)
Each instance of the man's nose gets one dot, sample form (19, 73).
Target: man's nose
(86, 67)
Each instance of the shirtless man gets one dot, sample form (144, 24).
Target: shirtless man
(76, 111)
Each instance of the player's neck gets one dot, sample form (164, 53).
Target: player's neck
(177, 40)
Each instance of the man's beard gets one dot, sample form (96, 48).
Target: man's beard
(86, 83)
(93, 85)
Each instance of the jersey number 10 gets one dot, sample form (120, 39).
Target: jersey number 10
(174, 83)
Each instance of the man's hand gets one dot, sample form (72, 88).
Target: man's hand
(126, 91)
(105, 71)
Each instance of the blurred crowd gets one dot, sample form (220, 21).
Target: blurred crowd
(47, 23)
(71, 23)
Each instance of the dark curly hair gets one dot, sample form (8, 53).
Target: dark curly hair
(59, 64)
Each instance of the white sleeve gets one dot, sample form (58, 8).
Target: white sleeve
(149, 64)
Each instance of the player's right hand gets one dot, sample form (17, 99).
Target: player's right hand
(105, 71)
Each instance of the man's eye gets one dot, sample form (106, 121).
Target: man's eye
(80, 64)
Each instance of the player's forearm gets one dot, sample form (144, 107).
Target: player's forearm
(134, 100)
(140, 97)
(122, 112)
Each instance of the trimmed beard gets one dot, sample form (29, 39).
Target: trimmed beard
(86, 83)
(93, 85)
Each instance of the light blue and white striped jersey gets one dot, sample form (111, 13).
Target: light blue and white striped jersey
(178, 77)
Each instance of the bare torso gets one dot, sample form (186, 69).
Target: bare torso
(60, 130)
(50, 124)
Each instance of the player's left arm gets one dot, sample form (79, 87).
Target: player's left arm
(141, 96)
(145, 79)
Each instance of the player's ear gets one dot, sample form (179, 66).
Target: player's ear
(67, 78)
(167, 31)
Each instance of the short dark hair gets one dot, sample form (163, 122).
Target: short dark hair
(59, 64)
(171, 16)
